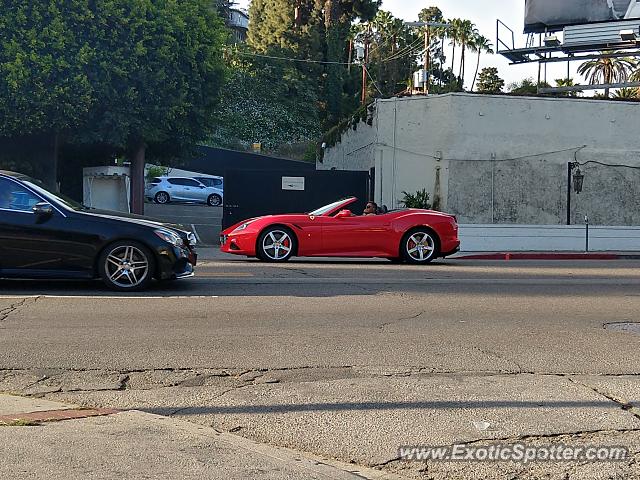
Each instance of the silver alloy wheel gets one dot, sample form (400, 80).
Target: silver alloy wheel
(420, 247)
(162, 198)
(214, 200)
(126, 266)
(277, 245)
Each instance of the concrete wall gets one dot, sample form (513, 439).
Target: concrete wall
(501, 159)
(536, 238)
(355, 151)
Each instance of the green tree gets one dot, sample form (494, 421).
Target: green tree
(45, 91)
(480, 45)
(285, 27)
(627, 93)
(391, 55)
(527, 86)
(567, 82)
(317, 30)
(265, 102)
(438, 35)
(466, 35)
(156, 75)
(607, 70)
(489, 81)
(453, 34)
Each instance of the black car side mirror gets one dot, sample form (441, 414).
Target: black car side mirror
(43, 209)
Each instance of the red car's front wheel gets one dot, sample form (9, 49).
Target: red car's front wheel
(276, 244)
(419, 246)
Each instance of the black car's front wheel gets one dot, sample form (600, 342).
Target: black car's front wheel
(419, 246)
(126, 266)
(276, 244)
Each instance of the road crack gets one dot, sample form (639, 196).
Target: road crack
(403, 319)
(624, 405)
(11, 309)
(491, 353)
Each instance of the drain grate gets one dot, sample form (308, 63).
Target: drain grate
(626, 327)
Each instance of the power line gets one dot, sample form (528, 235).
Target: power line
(614, 165)
(524, 157)
(373, 80)
(273, 57)
(408, 50)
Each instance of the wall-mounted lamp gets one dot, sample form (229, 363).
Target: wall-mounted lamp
(578, 181)
(552, 41)
(629, 35)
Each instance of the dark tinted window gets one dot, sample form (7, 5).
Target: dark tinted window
(210, 182)
(155, 181)
(15, 197)
(184, 181)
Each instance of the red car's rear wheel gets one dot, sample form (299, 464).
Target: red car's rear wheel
(419, 246)
(276, 244)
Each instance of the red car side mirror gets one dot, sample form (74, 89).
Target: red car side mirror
(344, 214)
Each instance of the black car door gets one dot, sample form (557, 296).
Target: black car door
(38, 245)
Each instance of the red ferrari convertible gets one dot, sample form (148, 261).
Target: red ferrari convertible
(414, 236)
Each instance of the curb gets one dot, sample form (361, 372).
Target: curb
(55, 415)
(547, 256)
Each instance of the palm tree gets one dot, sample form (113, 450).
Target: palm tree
(607, 69)
(453, 32)
(567, 82)
(480, 45)
(627, 93)
(467, 33)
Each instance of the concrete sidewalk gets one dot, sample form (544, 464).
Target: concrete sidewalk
(48, 440)
(214, 254)
(546, 256)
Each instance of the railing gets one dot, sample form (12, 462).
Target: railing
(499, 42)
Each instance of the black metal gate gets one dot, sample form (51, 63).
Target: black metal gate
(249, 193)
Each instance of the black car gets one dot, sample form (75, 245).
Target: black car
(43, 235)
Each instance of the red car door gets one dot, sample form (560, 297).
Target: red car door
(354, 236)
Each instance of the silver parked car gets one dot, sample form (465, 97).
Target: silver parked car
(212, 181)
(182, 189)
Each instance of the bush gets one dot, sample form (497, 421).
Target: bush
(418, 200)
(155, 171)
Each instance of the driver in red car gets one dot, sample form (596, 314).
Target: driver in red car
(370, 209)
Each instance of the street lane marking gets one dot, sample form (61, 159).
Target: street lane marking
(107, 297)
(425, 281)
(224, 274)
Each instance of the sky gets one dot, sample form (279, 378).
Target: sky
(484, 14)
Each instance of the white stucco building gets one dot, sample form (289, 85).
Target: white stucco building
(501, 159)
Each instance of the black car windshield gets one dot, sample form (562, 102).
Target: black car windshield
(57, 197)
(327, 208)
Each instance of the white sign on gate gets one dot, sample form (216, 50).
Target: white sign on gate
(293, 183)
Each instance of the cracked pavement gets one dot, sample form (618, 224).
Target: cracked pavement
(350, 360)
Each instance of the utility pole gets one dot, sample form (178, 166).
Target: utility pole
(427, 58)
(427, 48)
(365, 60)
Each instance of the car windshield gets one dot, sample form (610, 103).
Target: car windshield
(327, 208)
(58, 197)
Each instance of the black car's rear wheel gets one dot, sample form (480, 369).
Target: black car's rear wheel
(126, 266)
(419, 246)
(162, 198)
(276, 244)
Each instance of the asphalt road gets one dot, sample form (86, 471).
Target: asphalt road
(352, 359)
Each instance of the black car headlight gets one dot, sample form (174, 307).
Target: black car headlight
(193, 241)
(170, 237)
